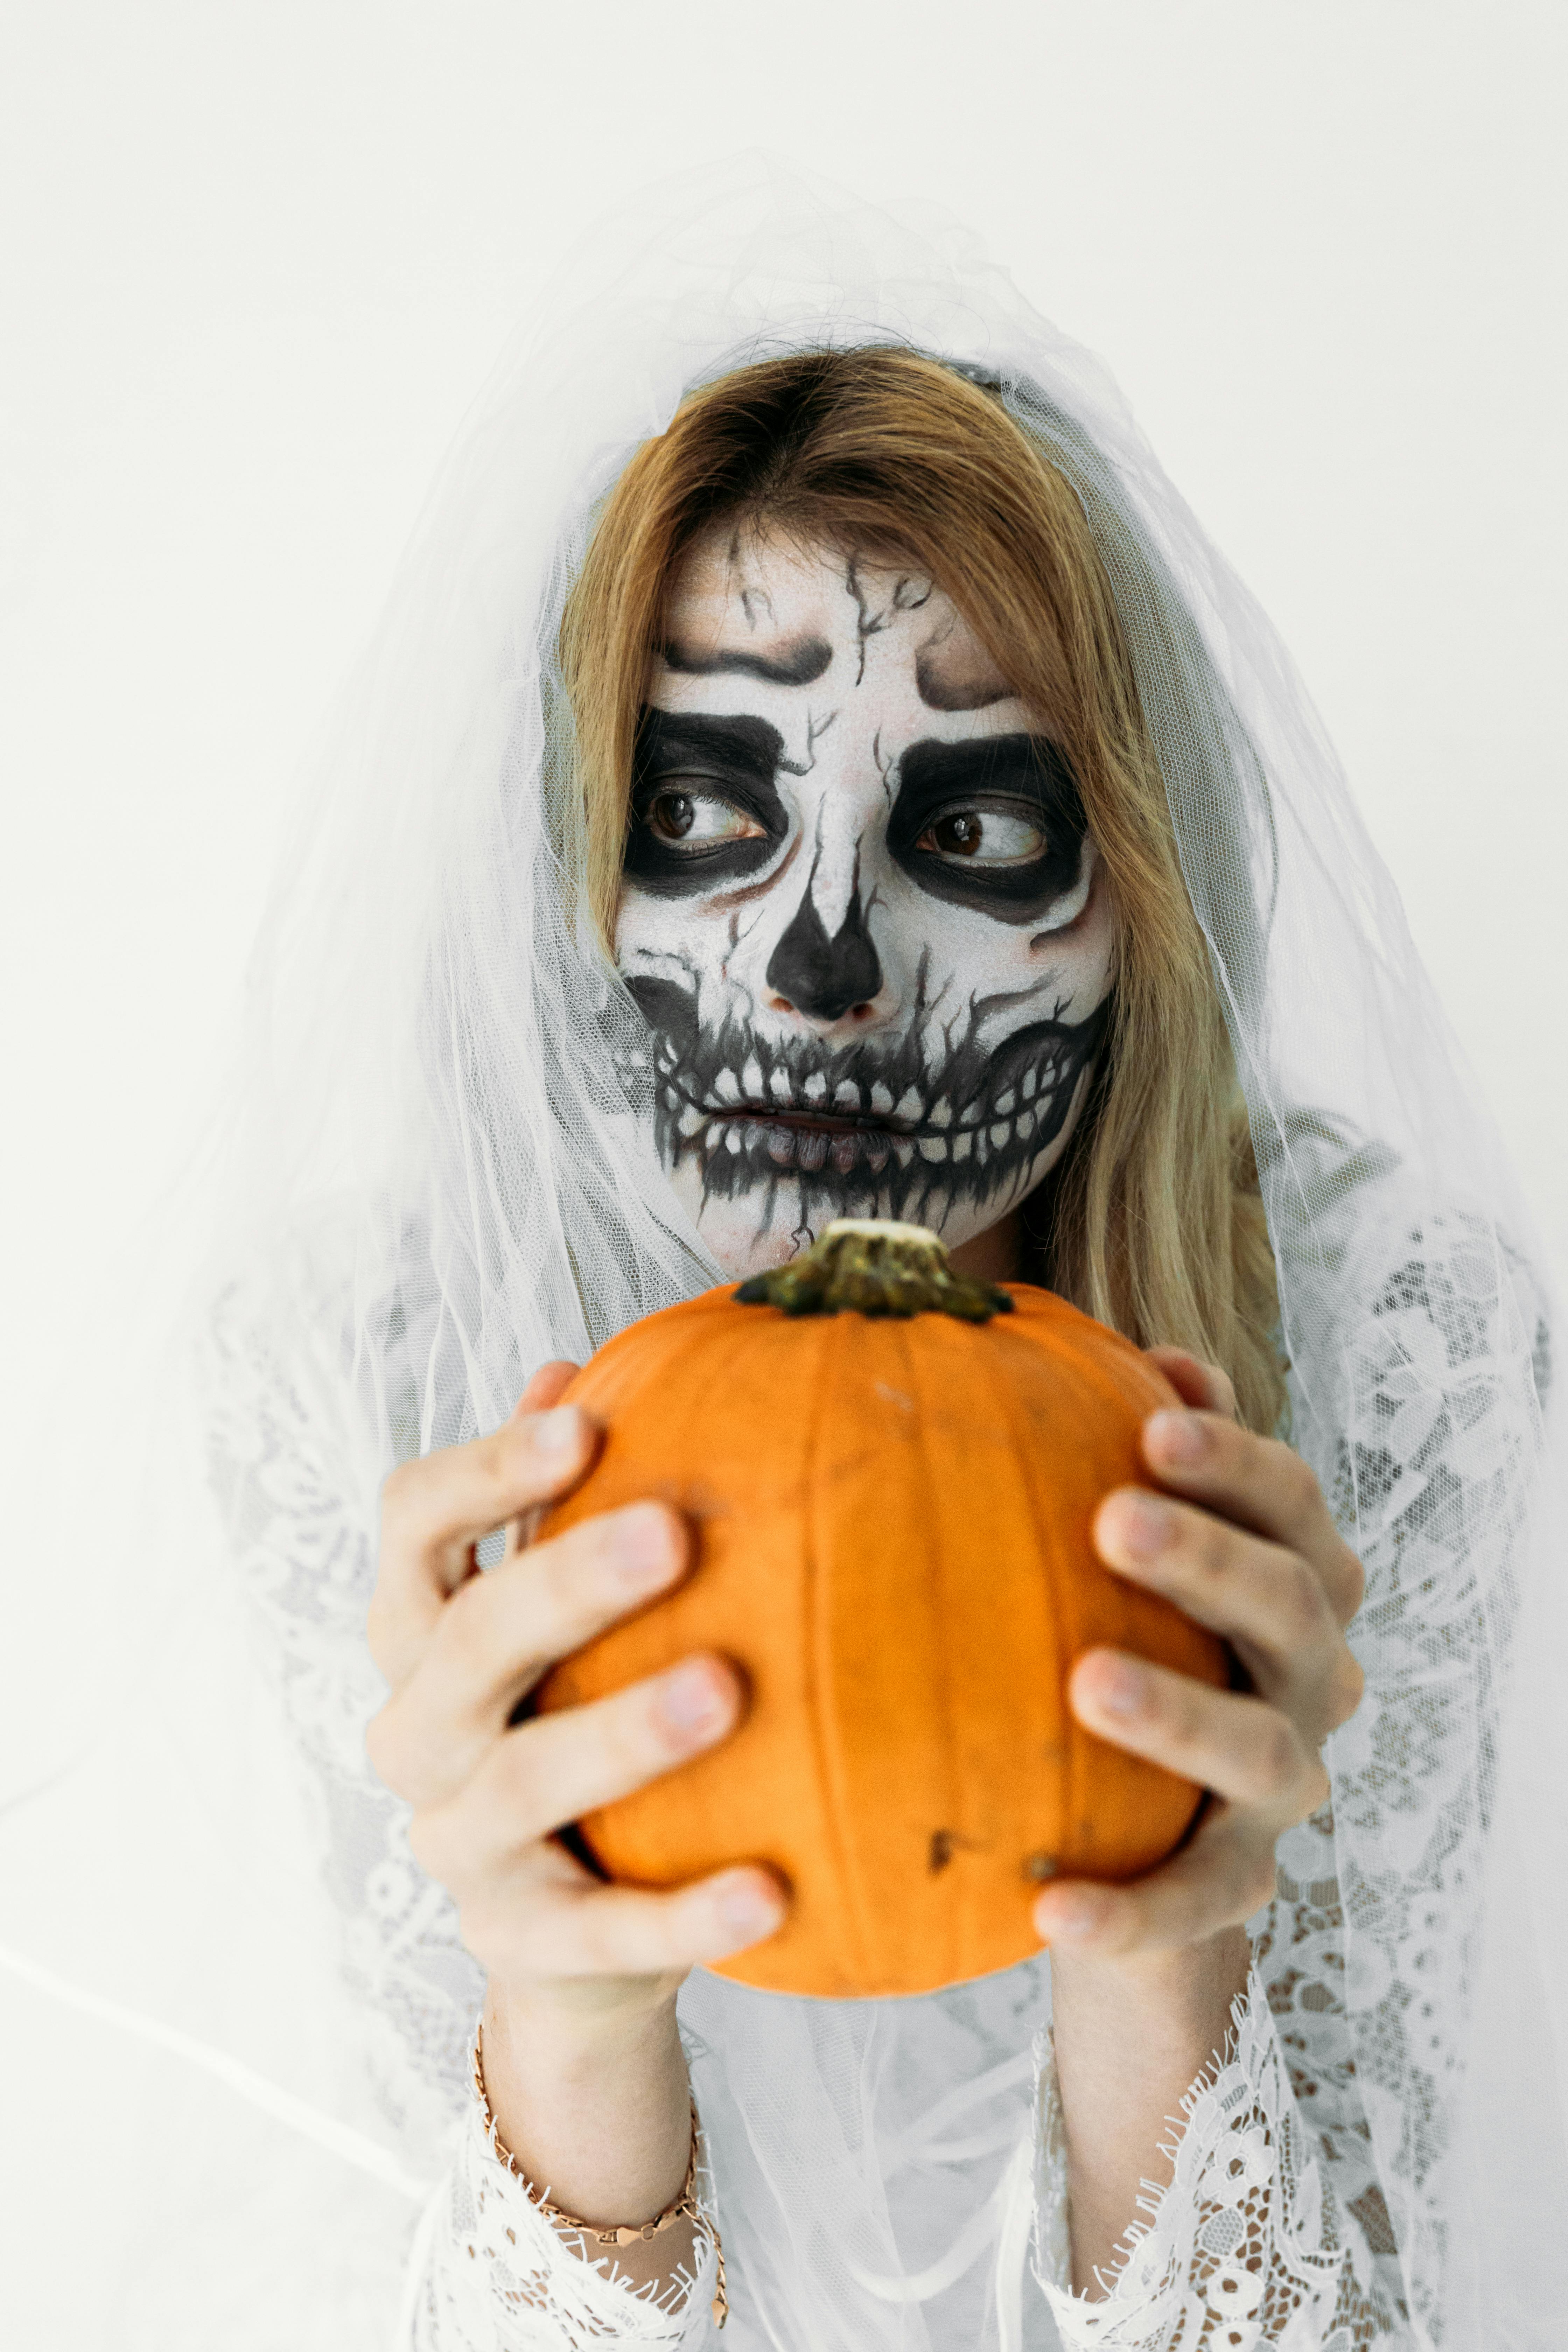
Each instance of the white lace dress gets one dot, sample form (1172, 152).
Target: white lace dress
(1273, 2229)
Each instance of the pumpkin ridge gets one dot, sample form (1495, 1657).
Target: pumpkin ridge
(816, 1603)
(1033, 1471)
(915, 1374)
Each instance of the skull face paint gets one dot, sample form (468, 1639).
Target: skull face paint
(861, 913)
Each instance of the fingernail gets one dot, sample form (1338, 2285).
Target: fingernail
(1119, 1687)
(559, 1432)
(1179, 1437)
(644, 1553)
(747, 1910)
(693, 1704)
(1070, 1918)
(1143, 1523)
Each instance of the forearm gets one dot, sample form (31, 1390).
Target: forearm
(590, 2094)
(1130, 2037)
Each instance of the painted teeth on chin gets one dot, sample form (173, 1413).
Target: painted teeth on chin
(691, 1120)
(881, 1099)
(962, 1146)
(910, 1104)
(1030, 1082)
(943, 1114)
(711, 1140)
(752, 1079)
(1026, 1124)
(811, 1149)
(1000, 1134)
(903, 1149)
(846, 1094)
(933, 1147)
(1005, 1103)
(779, 1087)
(732, 1136)
(815, 1088)
(726, 1086)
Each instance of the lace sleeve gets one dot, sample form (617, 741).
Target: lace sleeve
(488, 2273)
(1247, 2246)
(496, 2276)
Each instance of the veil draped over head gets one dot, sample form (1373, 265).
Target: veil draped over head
(437, 1177)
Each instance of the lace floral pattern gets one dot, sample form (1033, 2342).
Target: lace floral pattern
(300, 1522)
(1374, 1936)
(1248, 2245)
(498, 2277)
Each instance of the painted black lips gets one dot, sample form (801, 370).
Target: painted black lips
(864, 1126)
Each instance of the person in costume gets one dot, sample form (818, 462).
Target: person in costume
(887, 806)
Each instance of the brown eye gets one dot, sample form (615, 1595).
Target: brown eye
(984, 837)
(698, 820)
(672, 815)
(958, 837)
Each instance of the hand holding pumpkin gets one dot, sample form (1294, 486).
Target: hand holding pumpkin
(1245, 1545)
(585, 2068)
(462, 1651)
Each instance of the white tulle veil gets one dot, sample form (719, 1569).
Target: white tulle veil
(432, 1179)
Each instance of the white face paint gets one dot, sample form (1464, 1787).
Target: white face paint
(861, 913)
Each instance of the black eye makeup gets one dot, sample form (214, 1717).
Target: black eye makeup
(996, 825)
(704, 809)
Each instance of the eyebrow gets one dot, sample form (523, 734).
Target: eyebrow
(961, 693)
(801, 665)
(746, 744)
(1030, 764)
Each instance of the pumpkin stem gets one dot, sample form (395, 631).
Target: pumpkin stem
(875, 1267)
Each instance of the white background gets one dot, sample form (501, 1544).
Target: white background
(257, 259)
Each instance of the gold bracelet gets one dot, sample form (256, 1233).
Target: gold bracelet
(683, 2208)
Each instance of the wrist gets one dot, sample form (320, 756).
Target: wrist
(589, 2093)
(1177, 1977)
(582, 2019)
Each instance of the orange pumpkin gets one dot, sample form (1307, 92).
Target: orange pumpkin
(893, 1510)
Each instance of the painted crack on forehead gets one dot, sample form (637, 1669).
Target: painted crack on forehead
(911, 591)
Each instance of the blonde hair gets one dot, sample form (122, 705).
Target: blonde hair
(1155, 1224)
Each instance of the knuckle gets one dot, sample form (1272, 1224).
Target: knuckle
(482, 1930)
(1278, 1757)
(1350, 1577)
(394, 1487)
(405, 1495)
(1348, 1688)
(1175, 1710)
(517, 1775)
(465, 1627)
(384, 1747)
(430, 1842)
(1303, 1603)
(1299, 1487)
(1210, 1547)
(1259, 1882)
